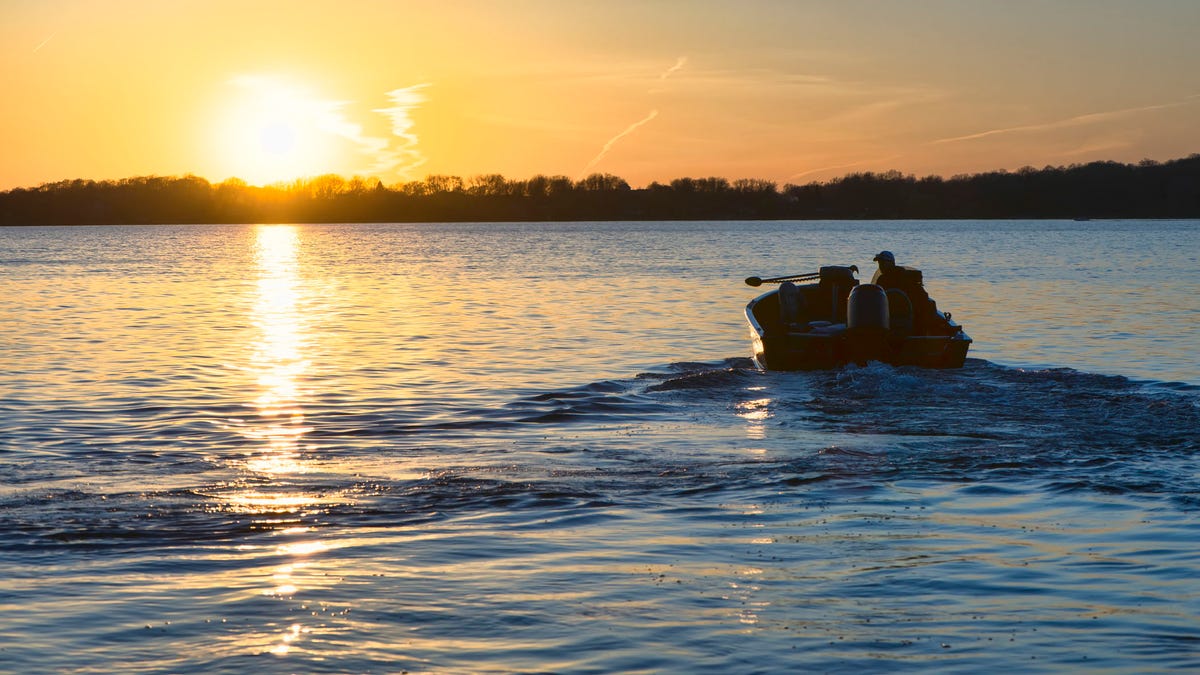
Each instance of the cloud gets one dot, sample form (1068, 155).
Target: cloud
(405, 156)
(396, 154)
(613, 141)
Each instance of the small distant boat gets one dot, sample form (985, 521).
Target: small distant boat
(828, 319)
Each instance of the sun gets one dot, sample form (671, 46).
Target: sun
(278, 138)
(272, 131)
(268, 129)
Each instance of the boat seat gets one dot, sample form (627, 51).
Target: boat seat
(825, 328)
(791, 305)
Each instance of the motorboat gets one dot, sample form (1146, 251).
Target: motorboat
(827, 319)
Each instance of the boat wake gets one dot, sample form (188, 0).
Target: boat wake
(686, 429)
(982, 422)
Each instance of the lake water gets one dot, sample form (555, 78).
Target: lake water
(542, 448)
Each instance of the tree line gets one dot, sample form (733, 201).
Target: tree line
(1147, 189)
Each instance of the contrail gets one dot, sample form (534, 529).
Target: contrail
(613, 141)
(679, 63)
(1059, 124)
(843, 166)
(43, 43)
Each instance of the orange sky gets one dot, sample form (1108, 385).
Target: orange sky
(647, 90)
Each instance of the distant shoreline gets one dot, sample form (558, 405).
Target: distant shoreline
(603, 221)
(1095, 191)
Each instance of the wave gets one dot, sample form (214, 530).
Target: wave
(99, 520)
(693, 376)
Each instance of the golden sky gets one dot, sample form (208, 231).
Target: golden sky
(788, 91)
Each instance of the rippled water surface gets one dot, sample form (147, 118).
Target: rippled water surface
(541, 448)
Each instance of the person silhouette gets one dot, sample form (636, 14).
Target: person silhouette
(886, 271)
(891, 276)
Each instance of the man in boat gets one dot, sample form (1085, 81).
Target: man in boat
(908, 279)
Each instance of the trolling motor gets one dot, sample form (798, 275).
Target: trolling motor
(810, 276)
(756, 281)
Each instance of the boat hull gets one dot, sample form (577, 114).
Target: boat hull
(777, 348)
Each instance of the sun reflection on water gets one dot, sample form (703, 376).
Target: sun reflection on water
(279, 362)
(279, 353)
(756, 413)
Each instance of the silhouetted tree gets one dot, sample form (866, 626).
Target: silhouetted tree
(1147, 189)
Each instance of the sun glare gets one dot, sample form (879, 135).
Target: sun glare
(272, 132)
(278, 138)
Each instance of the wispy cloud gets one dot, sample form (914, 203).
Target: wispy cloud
(613, 141)
(396, 154)
(1076, 121)
(403, 156)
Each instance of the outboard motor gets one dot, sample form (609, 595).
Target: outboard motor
(867, 324)
(835, 284)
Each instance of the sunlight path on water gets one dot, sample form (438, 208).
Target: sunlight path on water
(273, 493)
